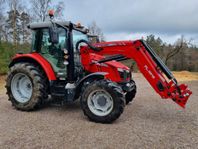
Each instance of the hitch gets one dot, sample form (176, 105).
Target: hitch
(180, 94)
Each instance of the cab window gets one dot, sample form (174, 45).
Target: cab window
(50, 48)
(53, 53)
(78, 36)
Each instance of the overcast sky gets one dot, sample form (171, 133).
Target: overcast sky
(131, 19)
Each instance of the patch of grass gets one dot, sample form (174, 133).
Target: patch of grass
(186, 76)
(2, 83)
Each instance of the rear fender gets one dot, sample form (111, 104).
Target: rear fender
(36, 59)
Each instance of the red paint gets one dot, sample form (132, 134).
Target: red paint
(42, 61)
(130, 49)
(136, 51)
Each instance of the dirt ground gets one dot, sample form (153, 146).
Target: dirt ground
(148, 122)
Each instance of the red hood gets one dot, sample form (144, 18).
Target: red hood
(96, 57)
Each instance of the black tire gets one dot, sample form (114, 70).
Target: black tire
(39, 86)
(117, 97)
(131, 95)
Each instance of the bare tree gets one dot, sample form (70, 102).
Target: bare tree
(41, 8)
(2, 2)
(179, 45)
(3, 29)
(2, 18)
(59, 8)
(95, 30)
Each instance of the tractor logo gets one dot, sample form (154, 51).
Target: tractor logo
(149, 71)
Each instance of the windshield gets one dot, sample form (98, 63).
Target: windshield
(78, 36)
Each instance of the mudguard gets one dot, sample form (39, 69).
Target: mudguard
(37, 59)
(89, 78)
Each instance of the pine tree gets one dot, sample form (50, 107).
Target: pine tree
(25, 20)
(13, 26)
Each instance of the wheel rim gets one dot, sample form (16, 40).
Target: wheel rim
(21, 88)
(100, 102)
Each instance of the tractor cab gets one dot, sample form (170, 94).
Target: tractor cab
(55, 40)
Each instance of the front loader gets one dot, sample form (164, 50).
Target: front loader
(64, 64)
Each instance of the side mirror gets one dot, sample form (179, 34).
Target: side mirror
(53, 35)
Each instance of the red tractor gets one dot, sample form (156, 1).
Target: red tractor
(65, 65)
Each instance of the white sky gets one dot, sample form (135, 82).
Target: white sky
(131, 19)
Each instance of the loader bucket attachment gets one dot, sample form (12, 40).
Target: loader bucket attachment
(182, 96)
(178, 93)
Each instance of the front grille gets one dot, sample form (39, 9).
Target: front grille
(124, 74)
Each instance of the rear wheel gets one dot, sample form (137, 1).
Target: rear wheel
(102, 101)
(21, 87)
(26, 87)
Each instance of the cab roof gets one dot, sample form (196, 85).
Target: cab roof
(38, 25)
(48, 24)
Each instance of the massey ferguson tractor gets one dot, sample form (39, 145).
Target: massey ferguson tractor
(64, 64)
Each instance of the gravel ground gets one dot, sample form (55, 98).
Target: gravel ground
(148, 122)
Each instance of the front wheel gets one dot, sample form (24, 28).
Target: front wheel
(131, 94)
(103, 101)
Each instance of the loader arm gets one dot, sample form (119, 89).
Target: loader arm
(150, 65)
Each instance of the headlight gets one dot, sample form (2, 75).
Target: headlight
(65, 51)
(120, 70)
(124, 74)
(66, 62)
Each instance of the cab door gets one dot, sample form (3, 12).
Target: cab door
(53, 53)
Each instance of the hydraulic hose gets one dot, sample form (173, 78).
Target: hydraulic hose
(89, 45)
